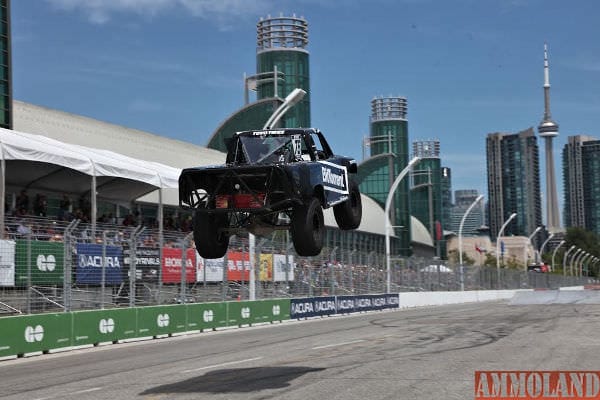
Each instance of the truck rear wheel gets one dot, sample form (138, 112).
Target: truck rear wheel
(308, 228)
(349, 213)
(210, 243)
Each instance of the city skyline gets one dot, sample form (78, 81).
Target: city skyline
(176, 70)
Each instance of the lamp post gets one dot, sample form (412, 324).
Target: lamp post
(291, 99)
(460, 228)
(386, 214)
(528, 243)
(575, 259)
(498, 244)
(541, 252)
(554, 253)
(581, 262)
(565, 259)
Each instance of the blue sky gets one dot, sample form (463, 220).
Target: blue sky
(175, 67)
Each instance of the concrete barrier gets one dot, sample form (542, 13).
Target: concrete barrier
(420, 299)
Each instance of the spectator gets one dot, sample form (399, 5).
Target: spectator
(64, 210)
(40, 207)
(22, 202)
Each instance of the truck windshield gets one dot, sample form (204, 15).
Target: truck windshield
(267, 149)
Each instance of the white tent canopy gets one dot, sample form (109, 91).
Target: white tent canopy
(37, 161)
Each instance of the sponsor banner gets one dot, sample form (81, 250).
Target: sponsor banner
(238, 266)
(209, 269)
(312, 307)
(171, 265)
(280, 267)
(265, 267)
(344, 304)
(7, 263)
(147, 263)
(392, 300)
(540, 385)
(47, 259)
(89, 264)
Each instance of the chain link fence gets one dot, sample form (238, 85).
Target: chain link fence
(48, 265)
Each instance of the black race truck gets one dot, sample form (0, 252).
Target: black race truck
(272, 179)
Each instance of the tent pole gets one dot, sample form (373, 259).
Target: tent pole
(93, 211)
(160, 240)
(2, 191)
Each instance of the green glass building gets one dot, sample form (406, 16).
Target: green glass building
(281, 47)
(581, 177)
(388, 141)
(513, 183)
(6, 120)
(282, 65)
(426, 190)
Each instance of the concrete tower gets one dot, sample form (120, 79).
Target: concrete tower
(548, 130)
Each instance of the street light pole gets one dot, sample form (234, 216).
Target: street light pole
(460, 228)
(575, 255)
(498, 243)
(554, 253)
(541, 252)
(386, 214)
(565, 259)
(525, 252)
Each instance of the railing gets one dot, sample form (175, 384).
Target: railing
(40, 271)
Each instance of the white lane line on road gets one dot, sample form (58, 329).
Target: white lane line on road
(87, 390)
(223, 365)
(70, 394)
(338, 344)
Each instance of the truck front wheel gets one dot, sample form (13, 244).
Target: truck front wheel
(308, 228)
(210, 243)
(349, 213)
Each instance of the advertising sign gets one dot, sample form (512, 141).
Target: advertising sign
(238, 266)
(283, 273)
(171, 265)
(89, 264)
(147, 263)
(312, 307)
(47, 259)
(7, 263)
(209, 269)
(265, 267)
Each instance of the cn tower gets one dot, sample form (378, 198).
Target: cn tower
(548, 130)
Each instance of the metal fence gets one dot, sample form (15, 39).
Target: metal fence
(49, 265)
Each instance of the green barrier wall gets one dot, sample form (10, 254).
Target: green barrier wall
(31, 333)
(92, 327)
(161, 320)
(47, 259)
(206, 316)
(43, 332)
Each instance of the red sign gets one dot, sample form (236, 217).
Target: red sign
(171, 265)
(238, 266)
(539, 385)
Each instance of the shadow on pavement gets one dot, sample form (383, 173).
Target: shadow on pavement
(241, 380)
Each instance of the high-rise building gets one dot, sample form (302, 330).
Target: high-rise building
(426, 188)
(6, 120)
(474, 220)
(282, 65)
(388, 141)
(281, 47)
(446, 196)
(548, 129)
(513, 182)
(581, 176)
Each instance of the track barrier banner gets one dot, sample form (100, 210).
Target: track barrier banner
(89, 264)
(7, 263)
(46, 262)
(100, 326)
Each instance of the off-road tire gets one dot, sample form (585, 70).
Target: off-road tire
(308, 228)
(210, 243)
(349, 213)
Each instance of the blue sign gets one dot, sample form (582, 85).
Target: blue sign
(89, 264)
(312, 307)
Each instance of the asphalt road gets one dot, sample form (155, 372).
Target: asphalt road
(427, 353)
